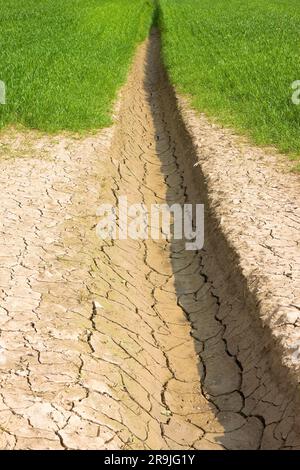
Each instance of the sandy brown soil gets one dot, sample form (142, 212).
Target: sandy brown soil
(125, 344)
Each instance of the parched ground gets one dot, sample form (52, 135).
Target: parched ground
(125, 344)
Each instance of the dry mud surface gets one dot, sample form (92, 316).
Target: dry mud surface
(124, 344)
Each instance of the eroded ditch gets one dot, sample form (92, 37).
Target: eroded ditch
(134, 344)
(216, 386)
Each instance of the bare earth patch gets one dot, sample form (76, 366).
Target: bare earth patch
(126, 344)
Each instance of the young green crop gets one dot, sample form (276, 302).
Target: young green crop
(237, 60)
(62, 61)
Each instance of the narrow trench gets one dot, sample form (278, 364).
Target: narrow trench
(199, 355)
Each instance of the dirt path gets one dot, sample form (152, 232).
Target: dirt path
(126, 344)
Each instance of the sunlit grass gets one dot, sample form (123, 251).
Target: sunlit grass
(63, 61)
(237, 60)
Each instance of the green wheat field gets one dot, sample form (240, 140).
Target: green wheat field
(63, 62)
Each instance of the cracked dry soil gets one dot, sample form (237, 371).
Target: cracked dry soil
(123, 344)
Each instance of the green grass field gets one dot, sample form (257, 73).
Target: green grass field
(237, 60)
(62, 61)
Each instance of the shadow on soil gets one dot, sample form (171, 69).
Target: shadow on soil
(234, 361)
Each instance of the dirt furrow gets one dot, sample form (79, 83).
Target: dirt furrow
(125, 344)
(220, 392)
